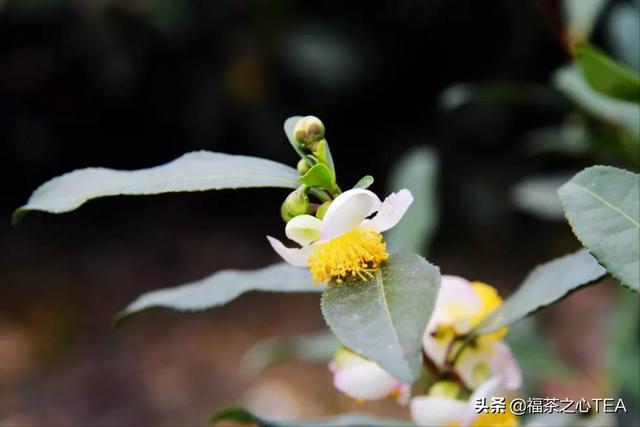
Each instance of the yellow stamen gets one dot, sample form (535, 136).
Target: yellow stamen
(356, 253)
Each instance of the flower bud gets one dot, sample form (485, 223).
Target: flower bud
(297, 203)
(303, 167)
(322, 209)
(446, 389)
(284, 213)
(308, 131)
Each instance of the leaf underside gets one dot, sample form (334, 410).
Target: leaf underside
(417, 171)
(197, 171)
(223, 287)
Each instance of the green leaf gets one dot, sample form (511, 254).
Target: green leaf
(317, 347)
(538, 195)
(570, 81)
(197, 171)
(222, 287)
(607, 76)
(244, 416)
(544, 285)
(417, 170)
(364, 182)
(602, 204)
(384, 318)
(319, 176)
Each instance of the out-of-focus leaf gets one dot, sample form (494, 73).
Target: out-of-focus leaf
(602, 204)
(384, 318)
(623, 33)
(544, 285)
(461, 94)
(243, 416)
(197, 171)
(365, 182)
(318, 347)
(571, 138)
(581, 16)
(607, 76)
(624, 345)
(222, 287)
(538, 195)
(417, 171)
(534, 356)
(570, 81)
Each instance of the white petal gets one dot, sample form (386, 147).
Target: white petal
(391, 211)
(456, 303)
(366, 381)
(491, 388)
(347, 211)
(469, 364)
(303, 229)
(295, 256)
(499, 362)
(437, 411)
(435, 349)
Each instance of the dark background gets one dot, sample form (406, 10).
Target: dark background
(132, 84)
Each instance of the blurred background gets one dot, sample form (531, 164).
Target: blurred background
(134, 83)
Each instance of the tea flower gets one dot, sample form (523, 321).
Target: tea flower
(460, 306)
(363, 379)
(444, 409)
(345, 243)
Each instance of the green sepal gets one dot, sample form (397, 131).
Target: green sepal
(364, 182)
(323, 154)
(320, 176)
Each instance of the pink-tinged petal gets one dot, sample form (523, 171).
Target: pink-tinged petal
(391, 211)
(456, 303)
(506, 365)
(303, 229)
(294, 256)
(347, 211)
(431, 411)
(365, 381)
(402, 394)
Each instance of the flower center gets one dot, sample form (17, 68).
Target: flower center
(355, 253)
